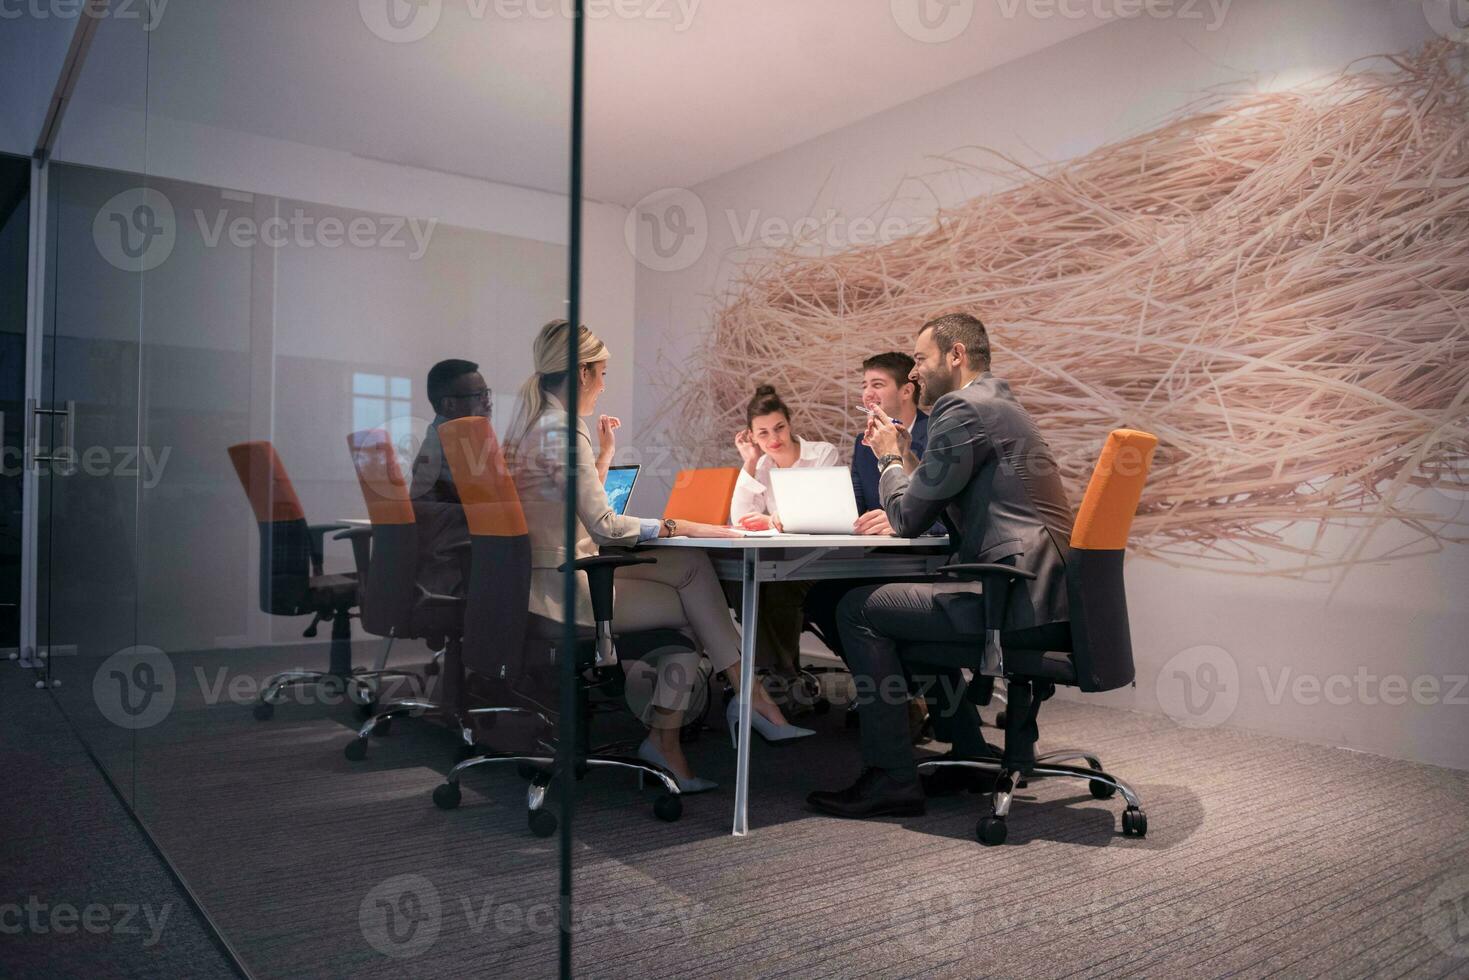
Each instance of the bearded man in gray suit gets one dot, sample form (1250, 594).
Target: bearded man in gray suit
(989, 475)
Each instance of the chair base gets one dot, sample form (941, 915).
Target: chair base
(359, 686)
(540, 772)
(992, 829)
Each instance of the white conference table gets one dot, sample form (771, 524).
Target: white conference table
(792, 558)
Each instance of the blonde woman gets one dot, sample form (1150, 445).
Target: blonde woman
(680, 591)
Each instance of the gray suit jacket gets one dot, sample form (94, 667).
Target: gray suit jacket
(989, 473)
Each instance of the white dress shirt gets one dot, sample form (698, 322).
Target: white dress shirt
(753, 495)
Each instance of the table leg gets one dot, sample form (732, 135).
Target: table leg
(749, 616)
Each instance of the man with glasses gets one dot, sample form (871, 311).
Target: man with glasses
(456, 390)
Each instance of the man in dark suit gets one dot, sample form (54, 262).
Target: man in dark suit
(989, 473)
(456, 389)
(887, 387)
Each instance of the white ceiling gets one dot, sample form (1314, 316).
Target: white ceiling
(682, 91)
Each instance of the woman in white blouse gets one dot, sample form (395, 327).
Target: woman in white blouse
(769, 442)
(680, 591)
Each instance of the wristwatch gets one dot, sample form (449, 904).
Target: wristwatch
(888, 459)
(670, 526)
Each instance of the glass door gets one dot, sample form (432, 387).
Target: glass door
(268, 227)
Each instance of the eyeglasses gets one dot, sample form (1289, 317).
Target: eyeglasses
(482, 395)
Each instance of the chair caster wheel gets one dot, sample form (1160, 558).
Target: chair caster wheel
(821, 706)
(542, 822)
(668, 808)
(991, 831)
(1101, 790)
(1000, 720)
(447, 796)
(356, 750)
(263, 711)
(1134, 823)
(853, 719)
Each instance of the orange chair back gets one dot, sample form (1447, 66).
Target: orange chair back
(266, 484)
(702, 495)
(1105, 517)
(491, 503)
(384, 489)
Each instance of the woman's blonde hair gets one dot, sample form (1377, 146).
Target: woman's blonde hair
(551, 372)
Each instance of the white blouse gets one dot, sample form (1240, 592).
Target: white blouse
(753, 495)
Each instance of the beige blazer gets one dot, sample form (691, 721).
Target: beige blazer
(540, 477)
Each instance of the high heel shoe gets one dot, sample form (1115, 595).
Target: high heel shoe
(763, 726)
(648, 752)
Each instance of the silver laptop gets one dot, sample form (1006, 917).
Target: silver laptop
(814, 500)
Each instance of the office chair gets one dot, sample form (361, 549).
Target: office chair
(392, 603)
(1098, 656)
(702, 495)
(511, 657)
(292, 582)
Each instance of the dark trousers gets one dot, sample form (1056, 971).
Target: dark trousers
(822, 602)
(875, 622)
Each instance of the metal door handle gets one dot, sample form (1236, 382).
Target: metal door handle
(33, 435)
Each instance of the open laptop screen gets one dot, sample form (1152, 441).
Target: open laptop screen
(619, 487)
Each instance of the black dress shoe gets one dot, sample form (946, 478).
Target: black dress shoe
(874, 794)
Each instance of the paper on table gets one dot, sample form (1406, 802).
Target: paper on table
(769, 532)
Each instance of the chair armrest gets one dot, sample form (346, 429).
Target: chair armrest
(978, 570)
(361, 538)
(997, 581)
(600, 570)
(613, 562)
(434, 600)
(316, 534)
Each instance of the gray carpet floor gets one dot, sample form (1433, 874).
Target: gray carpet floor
(67, 843)
(1264, 857)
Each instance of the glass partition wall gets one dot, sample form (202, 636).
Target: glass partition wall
(265, 224)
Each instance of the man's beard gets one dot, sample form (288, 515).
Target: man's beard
(935, 386)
